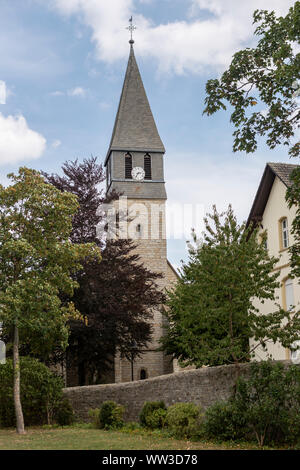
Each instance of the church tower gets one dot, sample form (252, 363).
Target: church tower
(135, 169)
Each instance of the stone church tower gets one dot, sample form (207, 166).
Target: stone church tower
(135, 168)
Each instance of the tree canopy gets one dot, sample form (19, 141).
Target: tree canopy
(116, 296)
(211, 312)
(37, 259)
(293, 198)
(262, 84)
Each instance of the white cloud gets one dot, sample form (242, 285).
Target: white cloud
(3, 92)
(181, 46)
(56, 143)
(17, 141)
(77, 91)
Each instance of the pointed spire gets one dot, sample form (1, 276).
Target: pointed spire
(135, 128)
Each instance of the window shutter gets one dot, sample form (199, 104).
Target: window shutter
(128, 166)
(147, 167)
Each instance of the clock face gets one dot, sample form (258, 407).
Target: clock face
(138, 173)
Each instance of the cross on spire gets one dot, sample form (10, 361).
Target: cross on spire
(131, 28)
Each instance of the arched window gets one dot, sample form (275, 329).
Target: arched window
(284, 233)
(143, 374)
(128, 166)
(147, 167)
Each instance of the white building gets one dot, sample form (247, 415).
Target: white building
(271, 212)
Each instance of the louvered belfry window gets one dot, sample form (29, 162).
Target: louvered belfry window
(147, 167)
(128, 166)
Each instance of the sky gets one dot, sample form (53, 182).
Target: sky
(61, 74)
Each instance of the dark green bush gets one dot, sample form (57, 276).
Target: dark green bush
(265, 407)
(270, 402)
(41, 393)
(146, 415)
(225, 422)
(156, 419)
(64, 414)
(111, 415)
(185, 420)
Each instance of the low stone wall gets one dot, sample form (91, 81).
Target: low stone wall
(202, 386)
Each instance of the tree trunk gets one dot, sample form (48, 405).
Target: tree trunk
(17, 399)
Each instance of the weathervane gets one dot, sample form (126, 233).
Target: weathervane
(131, 28)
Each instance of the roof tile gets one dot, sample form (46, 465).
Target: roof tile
(134, 128)
(283, 171)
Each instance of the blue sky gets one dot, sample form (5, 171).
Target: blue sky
(62, 68)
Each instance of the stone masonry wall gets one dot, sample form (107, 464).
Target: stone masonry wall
(152, 249)
(202, 386)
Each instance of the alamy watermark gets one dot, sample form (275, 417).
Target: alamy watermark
(148, 220)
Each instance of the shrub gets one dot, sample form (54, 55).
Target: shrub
(270, 402)
(64, 414)
(265, 407)
(146, 416)
(41, 393)
(185, 420)
(224, 421)
(156, 419)
(111, 415)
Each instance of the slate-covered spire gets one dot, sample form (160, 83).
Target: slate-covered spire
(135, 128)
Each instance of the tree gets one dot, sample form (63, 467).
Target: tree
(117, 296)
(211, 314)
(36, 262)
(267, 74)
(293, 198)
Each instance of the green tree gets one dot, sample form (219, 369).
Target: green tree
(293, 198)
(210, 312)
(37, 259)
(117, 295)
(266, 77)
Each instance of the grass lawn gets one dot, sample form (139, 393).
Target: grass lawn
(84, 437)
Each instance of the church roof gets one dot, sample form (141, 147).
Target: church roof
(283, 172)
(135, 128)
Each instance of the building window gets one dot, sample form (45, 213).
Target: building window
(128, 166)
(284, 233)
(295, 353)
(289, 294)
(147, 167)
(143, 374)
